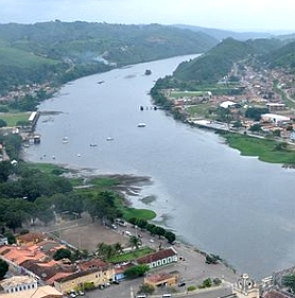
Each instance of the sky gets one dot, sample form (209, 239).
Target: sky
(236, 15)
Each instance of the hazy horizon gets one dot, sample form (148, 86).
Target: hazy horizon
(239, 15)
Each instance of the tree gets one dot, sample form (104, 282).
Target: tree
(170, 236)
(10, 237)
(160, 231)
(5, 169)
(136, 271)
(118, 247)
(146, 289)
(2, 123)
(207, 283)
(212, 259)
(255, 127)
(134, 241)
(255, 113)
(105, 251)
(3, 268)
(62, 253)
(289, 281)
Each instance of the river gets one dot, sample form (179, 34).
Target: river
(237, 207)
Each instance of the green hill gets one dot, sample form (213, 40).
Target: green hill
(223, 34)
(63, 51)
(82, 41)
(217, 62)
(283, 57)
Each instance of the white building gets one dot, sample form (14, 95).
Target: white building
(18, 283)
(274, 118)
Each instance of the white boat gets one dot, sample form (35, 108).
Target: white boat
(141, 124)
(110, 139)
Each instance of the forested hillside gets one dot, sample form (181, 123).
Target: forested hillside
(63, 51)
(217, 62)
(223, 34)
(283, 57)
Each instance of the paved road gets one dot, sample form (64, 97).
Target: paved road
(127, 289)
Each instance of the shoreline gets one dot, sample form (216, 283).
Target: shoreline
(131, 185)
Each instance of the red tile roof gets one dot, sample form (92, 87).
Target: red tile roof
(162, 254)
(95, 263)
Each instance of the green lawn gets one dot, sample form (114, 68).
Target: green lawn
(22, 59)
(177, 94)
(47, 168)
(104, 182)
(266, 150)
(144, 214)
(132, 255)
(199, 110)
(12, 118)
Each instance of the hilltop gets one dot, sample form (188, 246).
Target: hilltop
(59, 52)
(217, 62)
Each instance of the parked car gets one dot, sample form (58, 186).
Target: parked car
(128, 233)
(114, 227)
(81, 293)
(181, 284)
(116, 282)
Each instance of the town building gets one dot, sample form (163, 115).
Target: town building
(18, 283)
(40, 292)
(160, 258)
(161, 279)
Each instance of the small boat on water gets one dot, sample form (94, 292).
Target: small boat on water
(100, 82)
(110, 139)
(92, 145)
(141, 124)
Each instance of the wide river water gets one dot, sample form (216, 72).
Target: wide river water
(237, 207)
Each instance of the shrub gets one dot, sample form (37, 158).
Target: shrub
(191, 288)
(88, 286)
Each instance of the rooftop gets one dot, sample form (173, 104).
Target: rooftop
(16, 280)
(162, 254)
(41, 292)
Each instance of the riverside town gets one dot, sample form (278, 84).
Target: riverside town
(70, 232)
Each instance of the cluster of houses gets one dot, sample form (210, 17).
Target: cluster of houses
(32, 265)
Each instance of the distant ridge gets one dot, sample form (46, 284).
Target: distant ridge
(223, 34)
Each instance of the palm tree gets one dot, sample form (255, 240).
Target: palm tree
(118, 247)
(105, 251)
(134, 242)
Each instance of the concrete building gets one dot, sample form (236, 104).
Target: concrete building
(41, 292)
(18, 283)
(274, 118)
(160, 258)
(161, 279)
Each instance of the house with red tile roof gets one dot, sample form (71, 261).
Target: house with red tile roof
(161, 279)
(30, 238)
(160, 258)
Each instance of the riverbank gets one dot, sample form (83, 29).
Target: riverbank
(127, 185)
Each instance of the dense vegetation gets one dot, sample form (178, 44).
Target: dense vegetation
(217, 62)
(283, 57)
(58, 52)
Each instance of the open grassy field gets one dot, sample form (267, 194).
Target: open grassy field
(266, 150)
(131, 255)
(144, 214)
(22, 59)
(199, 110)
(12, 118)
(178, 94)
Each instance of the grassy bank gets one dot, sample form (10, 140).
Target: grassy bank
(89, 186)
(265, 149)
(13, 118)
